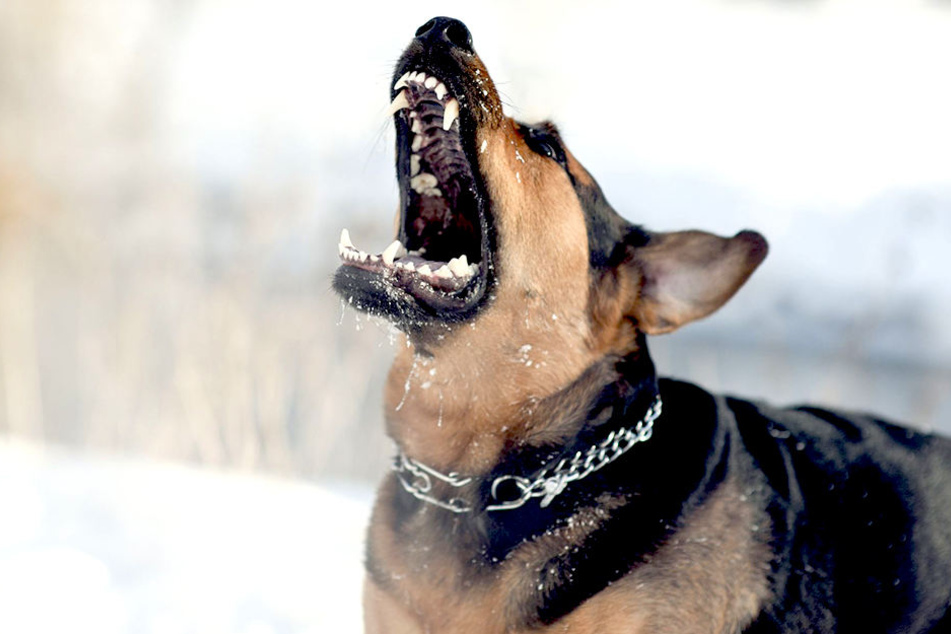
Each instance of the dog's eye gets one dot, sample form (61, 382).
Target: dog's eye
(544, 144)
(544, 147)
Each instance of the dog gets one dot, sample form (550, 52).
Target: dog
(546, 479)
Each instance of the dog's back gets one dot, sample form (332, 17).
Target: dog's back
(861, 519)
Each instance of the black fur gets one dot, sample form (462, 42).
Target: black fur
(860, 509)
(861, 513)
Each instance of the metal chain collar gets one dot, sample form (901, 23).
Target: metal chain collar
(546, 484)
(423, 483)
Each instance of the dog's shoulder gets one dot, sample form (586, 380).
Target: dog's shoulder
(839, 486)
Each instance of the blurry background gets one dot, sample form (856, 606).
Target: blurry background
(173, 180)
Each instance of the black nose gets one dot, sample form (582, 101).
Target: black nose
(445, 31)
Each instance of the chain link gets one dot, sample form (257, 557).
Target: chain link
(423, 484)
(547, 484)
(550, 482)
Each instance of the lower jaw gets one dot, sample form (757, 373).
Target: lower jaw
(411, 304)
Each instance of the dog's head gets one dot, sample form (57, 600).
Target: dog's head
(499, 225)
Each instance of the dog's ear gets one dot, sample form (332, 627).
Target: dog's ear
(687, 275)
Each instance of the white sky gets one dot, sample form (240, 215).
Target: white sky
(795, 103)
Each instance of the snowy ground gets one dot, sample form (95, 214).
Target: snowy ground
(110, 546)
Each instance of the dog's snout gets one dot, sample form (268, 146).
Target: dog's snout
(445, 31)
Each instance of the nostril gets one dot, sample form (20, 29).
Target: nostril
(426, 28)
(458, 34)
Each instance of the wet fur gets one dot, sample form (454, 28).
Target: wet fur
(733, 517)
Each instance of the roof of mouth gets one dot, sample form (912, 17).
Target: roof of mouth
(441, 210)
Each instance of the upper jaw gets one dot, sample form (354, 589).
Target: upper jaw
(441, 200)
(439, 268)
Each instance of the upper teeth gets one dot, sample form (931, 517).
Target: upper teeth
(420, 78)
(422, 183)
(421, 81)
(402, 81)
(450, 114)
(399, 102)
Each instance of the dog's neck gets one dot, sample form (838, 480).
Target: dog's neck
(655, 480)
(458, 407)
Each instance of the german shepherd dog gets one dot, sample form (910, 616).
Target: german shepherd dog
(546, 479)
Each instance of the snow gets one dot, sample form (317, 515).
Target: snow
(109, 546)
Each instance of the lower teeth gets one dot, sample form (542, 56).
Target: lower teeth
(396, 256)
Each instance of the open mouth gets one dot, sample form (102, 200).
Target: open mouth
(438, 265)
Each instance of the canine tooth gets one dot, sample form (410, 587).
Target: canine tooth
(450, 114)
(399, 102)
(395, 250)
(422, 182)
(424, 270)
(413, 164)
(441, 90)
(444, 272)
(458, 267)
(345, 239)
(401, 82)
(431, 82)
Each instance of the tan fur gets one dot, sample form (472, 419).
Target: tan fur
(532, 341)
(710, 577)
(382, 614)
